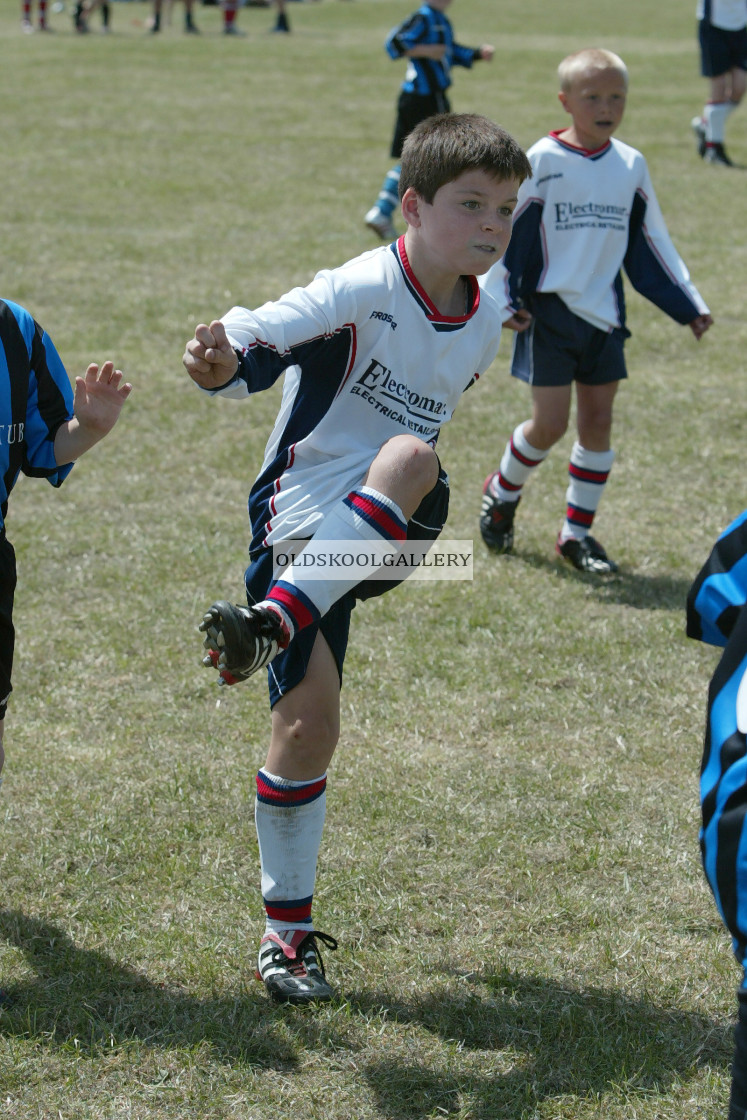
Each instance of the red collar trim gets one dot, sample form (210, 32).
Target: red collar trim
(430, 308)
(574, 148)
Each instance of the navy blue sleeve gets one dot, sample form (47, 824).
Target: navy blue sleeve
(648, 273)
(408, 34)
(524, 259)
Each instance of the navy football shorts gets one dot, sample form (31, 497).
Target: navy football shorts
(559, 348)
(288, 668)
(7, 632)
(720, 50)
(412, 108)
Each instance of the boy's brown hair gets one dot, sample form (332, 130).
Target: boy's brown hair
(441, 148)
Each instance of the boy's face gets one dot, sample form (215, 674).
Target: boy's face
(467, 227)
(596, 102)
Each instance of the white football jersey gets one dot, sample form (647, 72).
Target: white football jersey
(728, 15)
(366, 356)
(581, 219)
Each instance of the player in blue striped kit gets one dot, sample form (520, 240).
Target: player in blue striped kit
(44, 427)
(375, 356)
(426, 40)
(717, 614)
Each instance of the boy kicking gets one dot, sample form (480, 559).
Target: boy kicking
(376, 355)
(589, 211)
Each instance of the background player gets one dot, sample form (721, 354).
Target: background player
(426, 39)
(722, 34)
(589, 210)
(27, 22)
(44, 427)
(376, 356)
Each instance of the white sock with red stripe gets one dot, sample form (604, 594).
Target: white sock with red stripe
(518, 462)
(364, 515)
(588, 472)
(289, 817)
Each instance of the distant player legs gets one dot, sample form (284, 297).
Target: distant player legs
(729, 86)
(189, 24)
(727, 90)
(26, 15)
(723, 55)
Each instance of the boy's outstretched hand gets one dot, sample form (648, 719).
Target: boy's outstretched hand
(99, 397)
(210, 359)
(98, 401)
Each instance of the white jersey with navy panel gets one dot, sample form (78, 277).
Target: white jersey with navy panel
(366, 356)
(728, 15)
(581, 218)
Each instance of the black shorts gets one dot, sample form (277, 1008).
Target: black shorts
(412, 108)
(289, 667)
(7, 631)
(720, 50)
(559, 347)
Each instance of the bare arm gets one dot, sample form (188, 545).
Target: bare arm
(427, 50)
(98, 401)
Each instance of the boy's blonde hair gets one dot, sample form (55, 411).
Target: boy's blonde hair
(591, 58)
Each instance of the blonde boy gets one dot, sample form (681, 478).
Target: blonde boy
(589, 211)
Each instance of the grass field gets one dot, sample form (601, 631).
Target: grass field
(511, 856)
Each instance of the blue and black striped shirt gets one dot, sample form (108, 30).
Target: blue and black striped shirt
(428, 26)
(35, 398)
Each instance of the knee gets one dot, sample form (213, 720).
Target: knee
(307, 738)
(546, 432)
(594, 430)
(414, 458)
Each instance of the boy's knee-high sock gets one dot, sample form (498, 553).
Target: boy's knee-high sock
(388, 199)
(714, 119)
(518, 462)
(364, 515)
(588, 471)
(289, 817)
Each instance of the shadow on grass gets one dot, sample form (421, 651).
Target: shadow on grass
(651, 593)
(546, 1040)
(86, 998)
(543, 1038)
